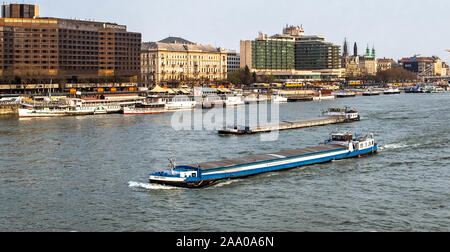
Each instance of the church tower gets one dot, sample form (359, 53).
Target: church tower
(345, 53)
(355, 50)
(368, 54)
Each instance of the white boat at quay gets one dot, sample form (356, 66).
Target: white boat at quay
(371, 92)
(145, 109)
(234, 101)
(74, 107)
(46, 111)
(252, 99)
(210, 101)
(324, 98)
(279, 99)
(343, 94)
(439, 90)
(392, 91)
(180, 103)
(433, 89)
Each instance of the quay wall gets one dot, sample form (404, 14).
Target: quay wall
(9, 109)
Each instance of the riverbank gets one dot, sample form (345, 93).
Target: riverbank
(9, 109)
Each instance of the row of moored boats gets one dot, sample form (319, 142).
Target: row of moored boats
(135, 105)
(425, 89)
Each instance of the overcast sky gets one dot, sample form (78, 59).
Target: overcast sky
(397, 28)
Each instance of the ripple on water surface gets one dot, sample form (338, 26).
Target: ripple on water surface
(90, 174)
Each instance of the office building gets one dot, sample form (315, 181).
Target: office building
(274, 53)
(45, 47)
(423, 66)
(20, 11)
(175, 61)
(316, 54)
(385, 64)
(293, 56)
(233, 61)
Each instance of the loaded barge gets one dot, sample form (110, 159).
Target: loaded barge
(332, 116)
(339, 146)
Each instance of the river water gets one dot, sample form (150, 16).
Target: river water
(90, 174)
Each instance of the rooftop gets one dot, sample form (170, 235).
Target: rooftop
(176, 40)
(430, 59)
(175, 47)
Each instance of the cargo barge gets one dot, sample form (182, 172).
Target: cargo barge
(339, 146)
(332, 116)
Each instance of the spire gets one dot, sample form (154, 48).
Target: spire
(368, 51)
(374, 53)
(345, 53)
(355, 50)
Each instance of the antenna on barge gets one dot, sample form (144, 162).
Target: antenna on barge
(173, 163)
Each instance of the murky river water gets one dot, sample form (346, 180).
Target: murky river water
(90, 174)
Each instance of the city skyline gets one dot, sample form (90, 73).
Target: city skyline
(397, 29)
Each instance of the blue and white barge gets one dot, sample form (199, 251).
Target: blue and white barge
(339, 146)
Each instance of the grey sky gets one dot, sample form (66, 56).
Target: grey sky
(397, 28)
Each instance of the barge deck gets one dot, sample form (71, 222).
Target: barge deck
(332, 116)
(233, 165)
(316, 122)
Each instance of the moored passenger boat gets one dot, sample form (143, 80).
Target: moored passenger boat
(234, 101)
(45, 112)
(256, 99)
(144, 109)
(279, 99)
(345, 95)
(440, 90)
(392, 91)
(370, 92)
(73, 107)
(339, 146)
(210, 102)
(180, 103)
(324, 98)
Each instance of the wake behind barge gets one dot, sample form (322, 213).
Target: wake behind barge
(340, 146)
